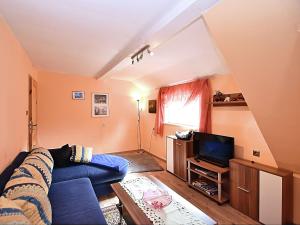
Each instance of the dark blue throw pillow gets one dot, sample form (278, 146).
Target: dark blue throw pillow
(61, 156)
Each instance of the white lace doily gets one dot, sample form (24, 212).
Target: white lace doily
(174, 213)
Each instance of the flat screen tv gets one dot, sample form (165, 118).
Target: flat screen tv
(213, 148)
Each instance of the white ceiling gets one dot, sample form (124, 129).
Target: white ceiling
(79, 36)
(96, 37)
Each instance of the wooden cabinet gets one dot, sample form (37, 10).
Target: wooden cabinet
(264, 193)
(244, 189)
(177, 153)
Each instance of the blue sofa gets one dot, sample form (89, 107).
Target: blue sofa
(75, 189)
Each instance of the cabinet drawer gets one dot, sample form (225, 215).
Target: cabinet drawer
(244, 189)
(179, 145)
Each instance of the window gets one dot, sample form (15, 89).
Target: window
(179, 114)
(184, 104)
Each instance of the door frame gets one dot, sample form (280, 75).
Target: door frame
(31, 82)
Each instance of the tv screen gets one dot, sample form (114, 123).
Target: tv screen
(213, 148)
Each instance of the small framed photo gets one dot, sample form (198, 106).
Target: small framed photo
(78, 95)
(100, 106)
(152, 106)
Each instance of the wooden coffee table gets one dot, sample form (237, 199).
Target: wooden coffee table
(133, 214)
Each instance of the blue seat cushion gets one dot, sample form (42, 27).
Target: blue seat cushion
(97, 174)
(108, 161)
(75, 202)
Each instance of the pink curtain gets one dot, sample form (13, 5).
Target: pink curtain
(199, 88)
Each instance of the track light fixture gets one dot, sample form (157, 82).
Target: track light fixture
(138, 56)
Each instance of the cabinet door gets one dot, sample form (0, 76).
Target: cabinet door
(270, 198)
(244, 189)
(170, 154)
(179, 159)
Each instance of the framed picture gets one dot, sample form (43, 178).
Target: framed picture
(78, 95)
(100, 106)
(152, 106)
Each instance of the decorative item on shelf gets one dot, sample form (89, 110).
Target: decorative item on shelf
(227, 99)
(218, 97)
(152, 106)
(78, 95)
(100, 106)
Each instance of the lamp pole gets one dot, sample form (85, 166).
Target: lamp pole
(139, 127)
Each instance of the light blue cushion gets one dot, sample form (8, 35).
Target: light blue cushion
(81, 154)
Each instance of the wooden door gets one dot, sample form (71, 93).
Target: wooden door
(244, 189)
(32, 114)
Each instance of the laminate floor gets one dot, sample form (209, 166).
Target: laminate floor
(223, 214)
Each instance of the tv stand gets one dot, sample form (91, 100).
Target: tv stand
(209, 179)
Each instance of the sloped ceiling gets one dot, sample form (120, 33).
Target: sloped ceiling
(260, 40)
(188, 55)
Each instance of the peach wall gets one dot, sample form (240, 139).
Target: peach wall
(63, 120)
(232, 121)
(239, 123)
(151, 142)
(14, 69)
(261, 44)
(262, 48)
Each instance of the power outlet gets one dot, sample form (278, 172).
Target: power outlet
(256, 153)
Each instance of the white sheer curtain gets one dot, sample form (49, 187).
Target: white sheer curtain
(179, 113)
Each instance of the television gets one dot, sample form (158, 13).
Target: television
(213, 148)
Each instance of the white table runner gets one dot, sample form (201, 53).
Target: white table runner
(173, 214)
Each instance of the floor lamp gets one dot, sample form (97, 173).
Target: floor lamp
(139, 138)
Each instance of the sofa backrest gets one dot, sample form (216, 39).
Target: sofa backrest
(8, 171)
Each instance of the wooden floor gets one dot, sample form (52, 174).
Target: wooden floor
(223, 214)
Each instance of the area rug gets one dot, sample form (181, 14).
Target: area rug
(140, 162)
(112, 215)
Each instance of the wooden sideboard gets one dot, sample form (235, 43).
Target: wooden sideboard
(264, 193)
(177, 153)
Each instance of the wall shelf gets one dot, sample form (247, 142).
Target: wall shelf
(232, 103)
(236, 99)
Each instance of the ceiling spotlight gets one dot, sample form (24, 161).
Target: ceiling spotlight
(150, 52)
